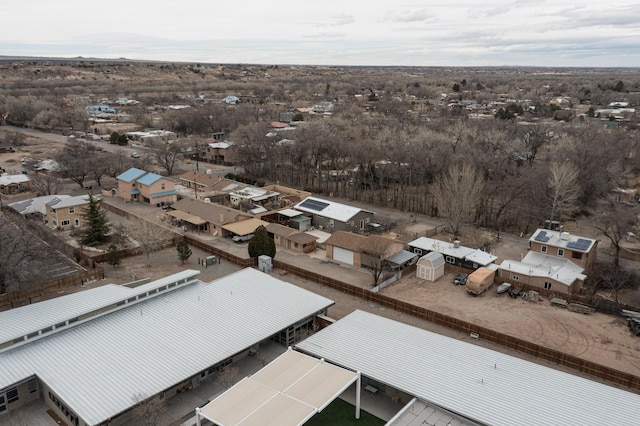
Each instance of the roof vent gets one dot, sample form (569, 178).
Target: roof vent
(456, 244)
(564, 236)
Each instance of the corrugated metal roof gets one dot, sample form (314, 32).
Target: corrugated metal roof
(536, 264)
(449, 249)
(481, 384)
(131, 175)
(149, 179)
(77, 200)
(97, 368)
(333, 210)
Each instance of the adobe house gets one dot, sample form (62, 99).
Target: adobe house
(138, 185)
(291, 239)
(66, 213)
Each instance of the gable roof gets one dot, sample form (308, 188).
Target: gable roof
(130, 175)
(449, 249)
(347, 240)
(328, 209)
(35, 205)
(149, 179)
(280, 230)
(468, 379)
(211, 212)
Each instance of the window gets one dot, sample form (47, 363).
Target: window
(64, 223)
(547, 286)
(543, 249)
(367, 220)
(331, 223)
(418, 251)
(295, 245)
(515, 277)
(33, 385)
(450, 259)
(72, 209)
(361, 224)
(561, 252)
(162, 186)
(12, 395)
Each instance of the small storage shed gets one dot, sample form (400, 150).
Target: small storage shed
(430, 266)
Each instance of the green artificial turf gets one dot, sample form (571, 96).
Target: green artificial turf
(341, 413)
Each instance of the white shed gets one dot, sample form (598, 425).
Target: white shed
(430, 266)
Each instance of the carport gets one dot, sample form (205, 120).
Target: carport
(286, 392)
(197, 221)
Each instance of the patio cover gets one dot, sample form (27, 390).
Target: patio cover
(244, 227)
(196, 220)
(286, 392)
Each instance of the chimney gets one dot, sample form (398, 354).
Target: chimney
(221, 218)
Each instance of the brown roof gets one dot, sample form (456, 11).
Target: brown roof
(373, 244)
(280, 230)
(200, 178)
(302, 238)
(211, 212)
(347, 240)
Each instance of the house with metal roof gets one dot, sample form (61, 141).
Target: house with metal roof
(442, 380)
(138, 185)
(579, 250)
(14, 184)
(453, 252)
(221, 152)
(35, 206)
(64, 213)
(331, 216)
(544, 271)
(91, 355)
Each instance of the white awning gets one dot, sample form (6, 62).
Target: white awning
(288, 391)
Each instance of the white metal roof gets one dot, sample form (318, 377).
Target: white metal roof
(35, 205)
(99, 366)
(449, 249)
(563, 239)
(536, 264)
(286, 392)
(77, 200)
(480, 384)
(289, 213)
(333, 210)
(13, 179)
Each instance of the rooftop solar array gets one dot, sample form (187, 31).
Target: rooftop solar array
(542, 236)
(312, 204)
(579, 244)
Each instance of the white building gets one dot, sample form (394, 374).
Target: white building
(89, 355)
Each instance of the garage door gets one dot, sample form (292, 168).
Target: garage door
(343, 255)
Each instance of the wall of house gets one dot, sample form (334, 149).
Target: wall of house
(161, 185)
(586, 260)
(58, 216)
(20, 394)
(539, 283)
(125, 188)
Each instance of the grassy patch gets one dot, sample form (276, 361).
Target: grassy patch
(341, 413)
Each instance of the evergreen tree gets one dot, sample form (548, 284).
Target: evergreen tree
(97, 224)
(184, 252)
(261, 243)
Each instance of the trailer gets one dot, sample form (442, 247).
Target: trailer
(480, 280)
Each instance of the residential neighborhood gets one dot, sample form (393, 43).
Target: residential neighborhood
(400, 254)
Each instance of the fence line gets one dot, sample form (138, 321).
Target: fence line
(569, 361)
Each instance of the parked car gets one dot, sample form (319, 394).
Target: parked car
(242, 238)
(460, 279)
(135, 155)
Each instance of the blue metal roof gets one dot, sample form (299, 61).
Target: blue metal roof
(131, 174)
(162, 194)
(135, 191)
(149, 179)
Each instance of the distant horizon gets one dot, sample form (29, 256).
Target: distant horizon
(453, 33)
(5, 58)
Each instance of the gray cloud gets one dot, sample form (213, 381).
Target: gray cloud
(411, 15)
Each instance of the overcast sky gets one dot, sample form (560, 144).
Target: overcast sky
(589, 33)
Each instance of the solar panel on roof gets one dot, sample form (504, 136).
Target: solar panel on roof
(542, 236)
(579, 244)
(314, 205)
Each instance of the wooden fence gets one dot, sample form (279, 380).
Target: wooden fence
(569, 361)
(25, 297)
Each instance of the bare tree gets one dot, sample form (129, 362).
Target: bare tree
(374, 256)
(147, 411)
(227, 376)
(564, 189)
(615, 221)
(149, 235)
(20, 257)
(44, 183)
(76, 161)
(457, 194)
(166, 153)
